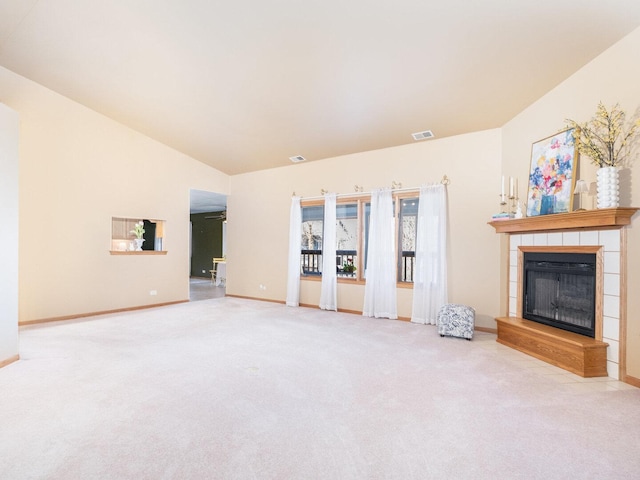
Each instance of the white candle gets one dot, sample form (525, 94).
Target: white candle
(502, 189)
(516, 190)
(510, 187)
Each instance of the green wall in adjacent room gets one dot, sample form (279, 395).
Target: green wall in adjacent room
(206, 243)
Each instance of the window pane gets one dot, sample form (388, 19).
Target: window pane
(312, 227)
(312, 230)
(312, 213)
(367, 222)
(347, 227)
(347, 239)
(407, 240)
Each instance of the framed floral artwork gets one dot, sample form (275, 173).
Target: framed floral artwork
(552, 174)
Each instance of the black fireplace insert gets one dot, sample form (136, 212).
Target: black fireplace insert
(559, 289)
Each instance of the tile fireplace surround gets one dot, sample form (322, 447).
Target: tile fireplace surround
(603, 228)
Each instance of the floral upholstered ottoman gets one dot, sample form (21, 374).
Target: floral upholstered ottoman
(456, 321)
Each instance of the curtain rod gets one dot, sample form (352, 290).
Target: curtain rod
(395, 186)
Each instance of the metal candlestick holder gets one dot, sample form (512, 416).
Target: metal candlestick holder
(509, 204)
(514, 205)
(503, 203)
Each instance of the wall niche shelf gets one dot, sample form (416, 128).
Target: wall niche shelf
(143, 252)
(122, 236)
(604, 218)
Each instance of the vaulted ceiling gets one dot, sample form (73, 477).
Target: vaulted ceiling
(243, 85)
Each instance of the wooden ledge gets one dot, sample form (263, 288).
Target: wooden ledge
(604, 218)
(551, 332)
(143, 252)
(578, 354)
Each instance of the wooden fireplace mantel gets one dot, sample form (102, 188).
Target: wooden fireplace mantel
(604, 218)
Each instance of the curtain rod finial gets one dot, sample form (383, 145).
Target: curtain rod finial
(445, 180)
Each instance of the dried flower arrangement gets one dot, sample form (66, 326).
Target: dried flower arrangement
(607, 137)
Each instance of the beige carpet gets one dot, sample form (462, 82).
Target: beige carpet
(239, 389)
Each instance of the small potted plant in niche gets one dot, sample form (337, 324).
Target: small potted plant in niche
(607, 139)
(348, 267)
(138, 231)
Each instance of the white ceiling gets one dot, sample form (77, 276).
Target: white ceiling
(205, 202)
(243, 85)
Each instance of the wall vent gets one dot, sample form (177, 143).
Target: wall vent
(422, 135)
(297, 159)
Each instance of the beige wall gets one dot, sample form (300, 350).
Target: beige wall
(259, 205)
(613, 77)
(77, 170)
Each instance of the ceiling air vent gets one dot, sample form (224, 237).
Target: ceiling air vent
(422, 135)
(297, 159)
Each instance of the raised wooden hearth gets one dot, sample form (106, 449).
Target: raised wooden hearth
(581, 355)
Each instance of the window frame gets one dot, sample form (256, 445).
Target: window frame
(362, 201)
(317, 262)
(399, 231)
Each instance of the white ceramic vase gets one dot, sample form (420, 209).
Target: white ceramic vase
(608, 185)
(139, 242)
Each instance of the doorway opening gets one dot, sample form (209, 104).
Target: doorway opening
(208, 220)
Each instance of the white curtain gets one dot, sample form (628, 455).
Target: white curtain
(430, 272)
(329, 291)
(295, 244)
(380, 287)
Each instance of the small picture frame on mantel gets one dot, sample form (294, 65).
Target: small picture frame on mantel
(552, 174)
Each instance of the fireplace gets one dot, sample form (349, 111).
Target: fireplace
(601, 232)
(559, 290)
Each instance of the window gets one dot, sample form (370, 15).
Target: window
(367, 222)
(312, 230)
(408, 221)
(352, 231)
(347, 240)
